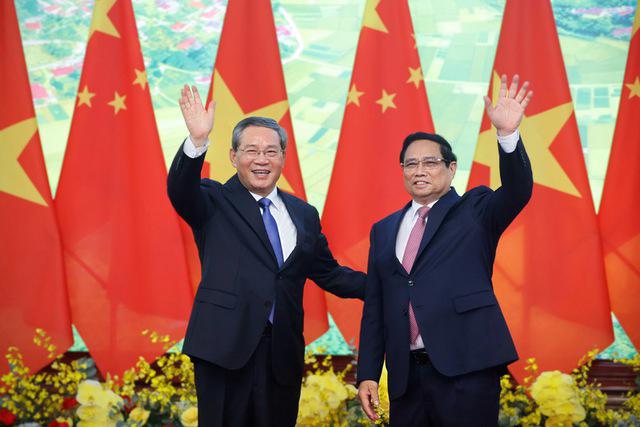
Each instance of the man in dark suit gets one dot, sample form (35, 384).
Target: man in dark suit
(429, 304)
(257, 247)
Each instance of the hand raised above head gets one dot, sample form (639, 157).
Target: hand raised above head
(508, 112)
(198, 120)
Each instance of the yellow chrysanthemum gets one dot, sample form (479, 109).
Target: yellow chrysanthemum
(189, 417)
(91, 393)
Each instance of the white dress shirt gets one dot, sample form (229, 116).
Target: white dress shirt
(508, 144)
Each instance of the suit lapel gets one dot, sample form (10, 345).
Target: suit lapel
(436, 215)
(247, 207)
(296, 212)
(390, 250)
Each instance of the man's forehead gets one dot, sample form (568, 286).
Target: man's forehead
(423, 148)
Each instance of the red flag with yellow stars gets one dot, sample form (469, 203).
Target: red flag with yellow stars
(124, 253)
(619, 227)
(248, 81)
(31, 263)
(548, 272)
(386, 102)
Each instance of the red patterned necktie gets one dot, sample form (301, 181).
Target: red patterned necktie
(410, 253)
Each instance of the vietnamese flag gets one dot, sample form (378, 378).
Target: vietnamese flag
(33, 289)
(548, 272)
(248, 81)
(619, 227)
(386, 102)
(124, 254)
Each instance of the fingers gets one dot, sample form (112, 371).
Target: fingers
(487, 104)
(513, 89)
(522, 92)
(527, 99)
(196, 96)
(368, 395)
(503, 86)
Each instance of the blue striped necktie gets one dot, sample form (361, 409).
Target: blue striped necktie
(274, 237)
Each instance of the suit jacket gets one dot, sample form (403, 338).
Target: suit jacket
(240, 274)
(449, 285)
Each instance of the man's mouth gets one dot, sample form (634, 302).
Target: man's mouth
(421, 183)
(261, 172)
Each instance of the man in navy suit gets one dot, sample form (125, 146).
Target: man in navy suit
(257, 246)
(429, 307)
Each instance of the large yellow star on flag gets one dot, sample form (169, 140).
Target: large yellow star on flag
(371, 18)
(100, 21)
(634, 88)
(386, 100)
(539, 132)
(228, 114)
(354, 95)
(13, 178)
(84, 97)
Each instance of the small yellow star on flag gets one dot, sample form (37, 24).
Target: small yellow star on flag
(100, 21)
(84, 97)
(415, 76)
(354, 95)
(386, 101)
(141, 78)
(118, 103)
(634, 88)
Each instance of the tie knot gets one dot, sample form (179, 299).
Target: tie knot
(264, 203)
(423, 212)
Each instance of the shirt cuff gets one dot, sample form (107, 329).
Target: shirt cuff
(191, 150)
(509, 142)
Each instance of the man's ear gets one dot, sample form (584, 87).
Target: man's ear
(233, 157)
(453, 167)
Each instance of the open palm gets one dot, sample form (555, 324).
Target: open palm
(508, 112)
(198, 120)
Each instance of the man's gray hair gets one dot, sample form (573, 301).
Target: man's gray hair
(264, 122)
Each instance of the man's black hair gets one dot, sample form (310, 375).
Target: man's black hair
(445, 147)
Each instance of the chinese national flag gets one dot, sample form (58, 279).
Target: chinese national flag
(548, 272)
(386, 102)
(248, 81)
(124, 253)
(619, 227)
(31, 266)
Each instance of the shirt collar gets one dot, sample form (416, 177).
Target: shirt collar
(413, 210)
(276, 201)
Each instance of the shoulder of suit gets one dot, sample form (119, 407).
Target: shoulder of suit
(210, 184)
(476, 192)
(389, 219)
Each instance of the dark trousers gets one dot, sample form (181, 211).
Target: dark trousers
(249, 396)
(435, 400)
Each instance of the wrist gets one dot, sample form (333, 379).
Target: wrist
(198, 142)
(505, 132)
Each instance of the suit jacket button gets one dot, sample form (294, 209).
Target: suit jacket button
(410, 282)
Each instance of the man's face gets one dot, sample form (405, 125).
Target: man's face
(258, 167)
(428, 180)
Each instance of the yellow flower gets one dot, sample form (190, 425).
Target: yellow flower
(140, 415)
(557, 396)
(93, 413)
(189, 417)
(91, 393)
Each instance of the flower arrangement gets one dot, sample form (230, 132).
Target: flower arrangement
(163, 394)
